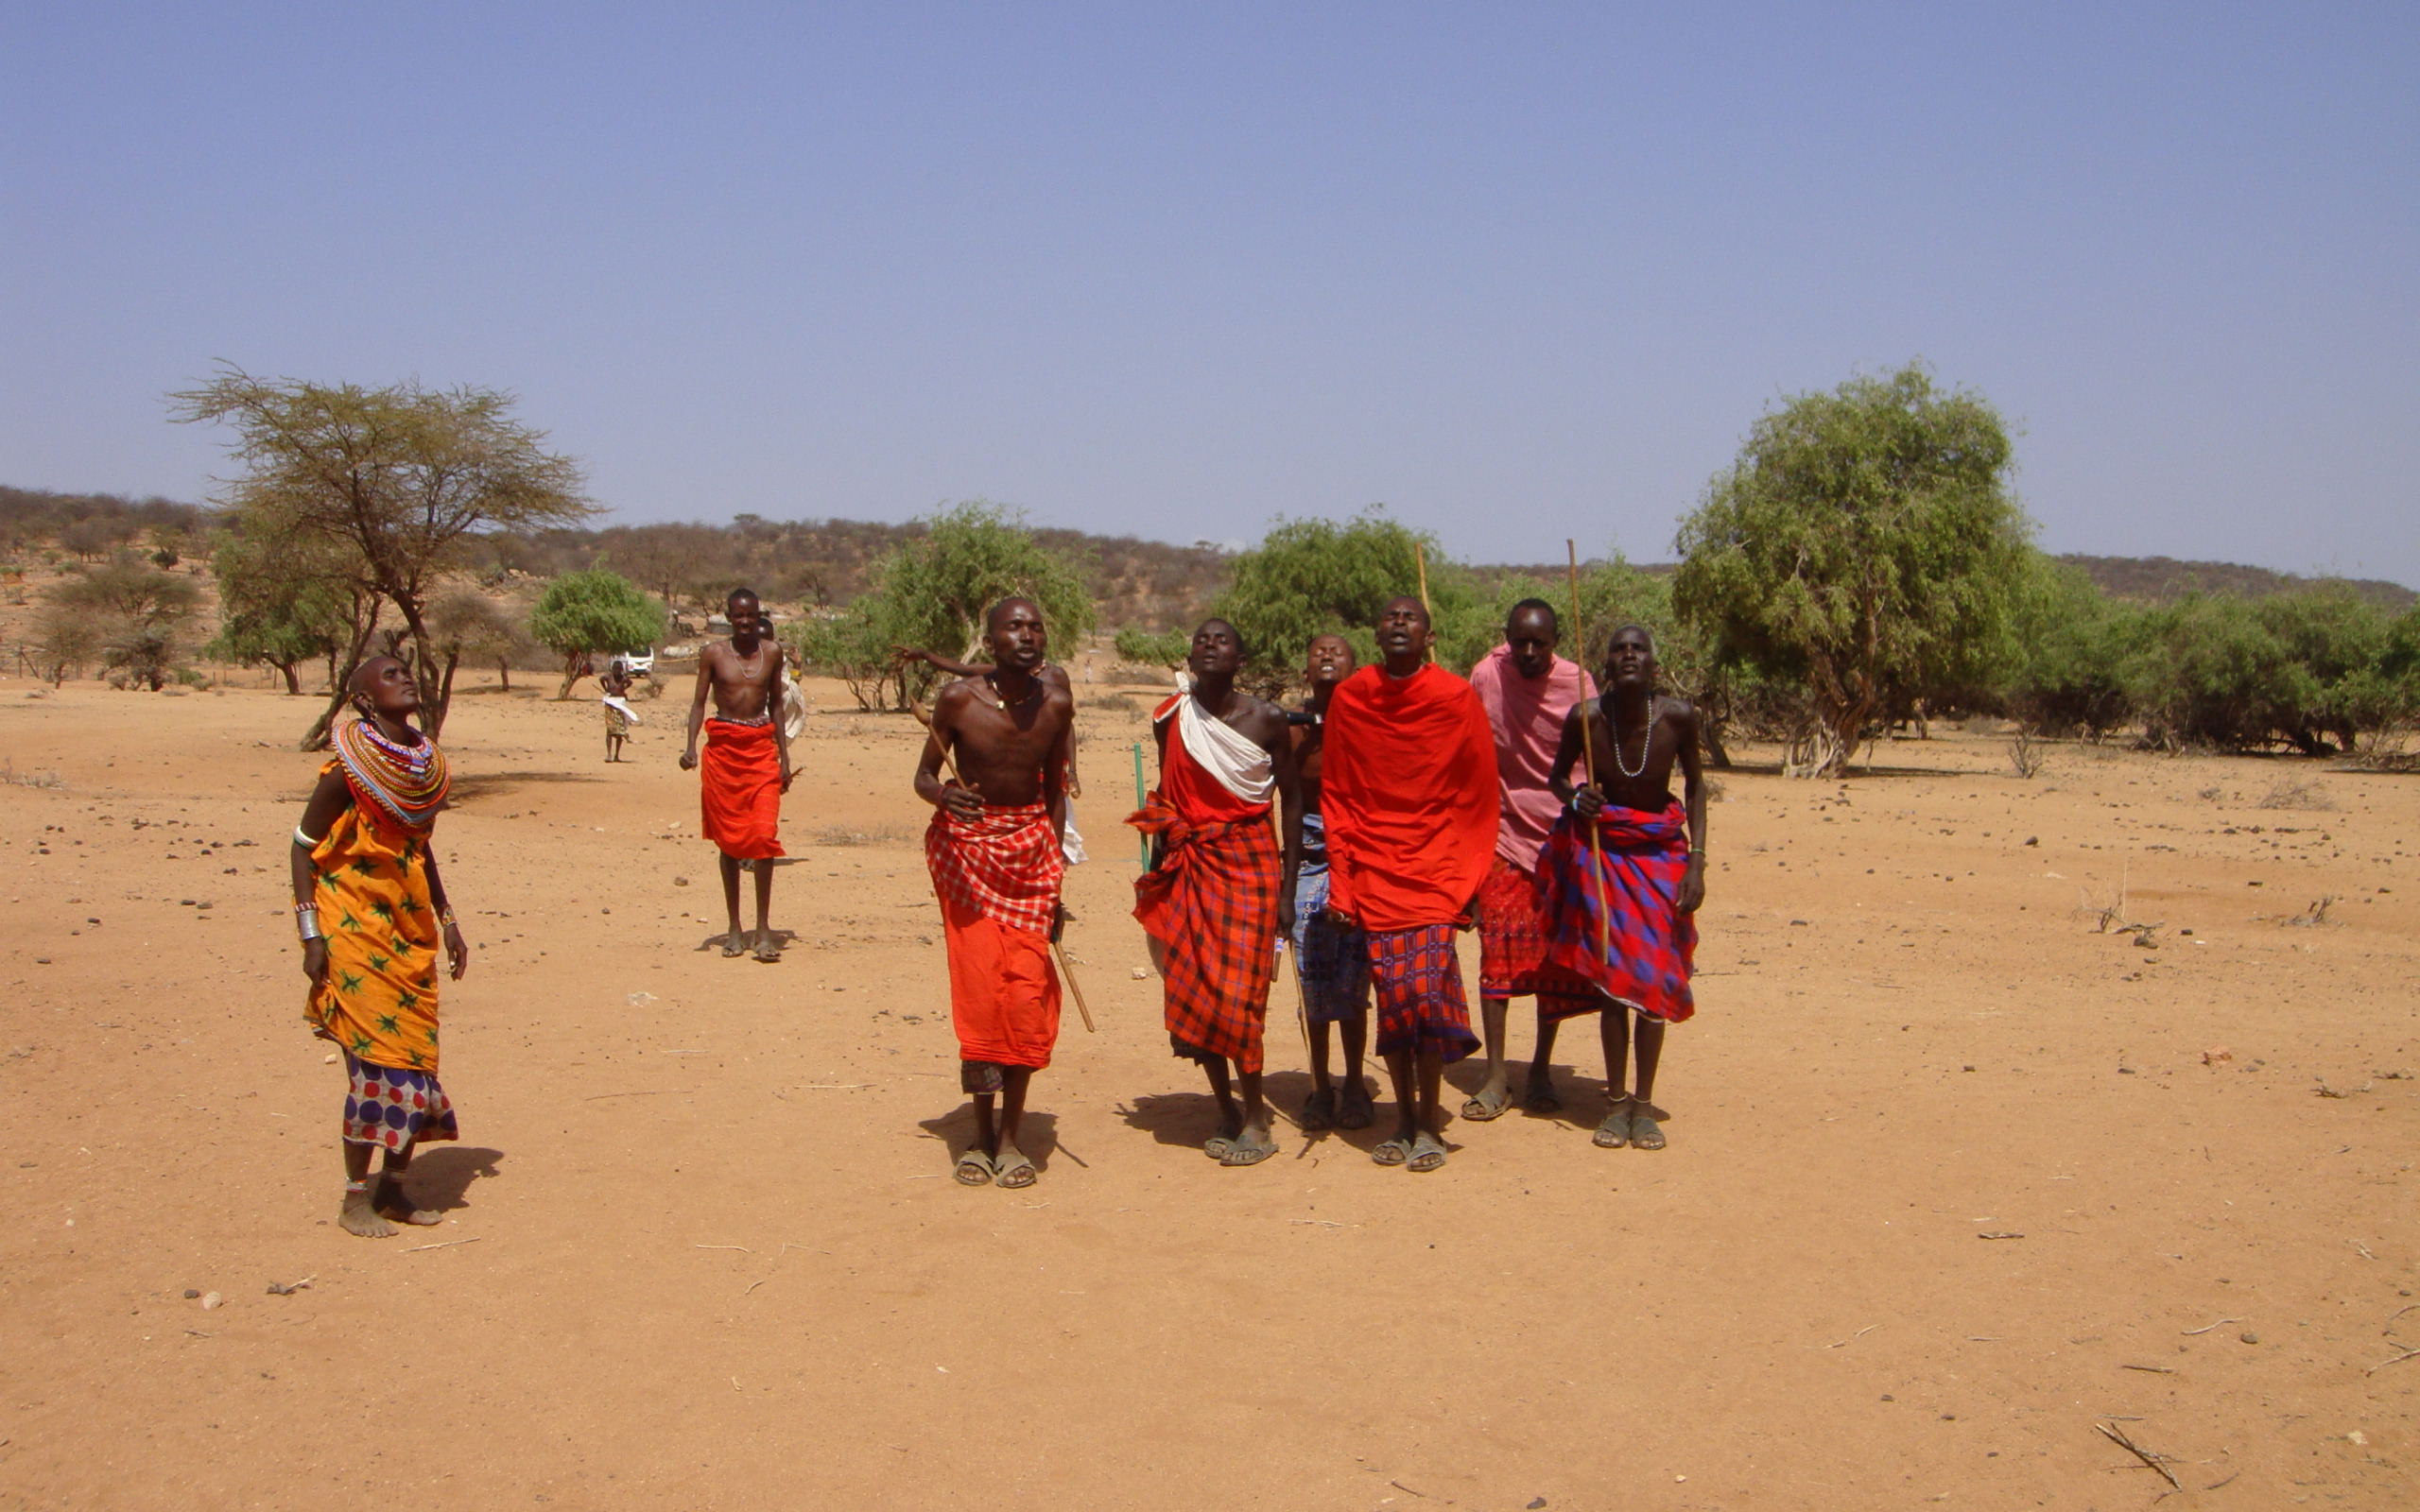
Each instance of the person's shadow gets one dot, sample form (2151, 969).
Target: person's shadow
(1037, 1135)
(442, 1177)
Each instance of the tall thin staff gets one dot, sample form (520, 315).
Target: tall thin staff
(1588, 743)
(1420, 560)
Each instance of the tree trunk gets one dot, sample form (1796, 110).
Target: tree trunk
(316, 738)
(504, 673)
(575, 667)
(425, 672)
(293, 686)
(1710, 732)
(446, 696)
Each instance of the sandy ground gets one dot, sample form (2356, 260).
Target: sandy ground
(703, 1250)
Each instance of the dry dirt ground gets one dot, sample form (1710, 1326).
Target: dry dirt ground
(1951, 1182)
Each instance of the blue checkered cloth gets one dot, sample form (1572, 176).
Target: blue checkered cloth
(1334, 957)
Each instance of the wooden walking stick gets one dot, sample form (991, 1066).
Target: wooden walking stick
(1420, 560)
(1301, 1001)
(1066, 969)
(1588, 743)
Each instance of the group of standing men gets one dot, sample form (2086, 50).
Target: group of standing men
(1401, 805)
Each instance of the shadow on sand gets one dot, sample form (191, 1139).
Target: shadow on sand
(442, 1177)
(1038, 1135)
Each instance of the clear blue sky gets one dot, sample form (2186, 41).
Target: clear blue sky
(1521, 272)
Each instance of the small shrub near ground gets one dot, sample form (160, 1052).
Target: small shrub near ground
(2024, 754)
(2289, 793)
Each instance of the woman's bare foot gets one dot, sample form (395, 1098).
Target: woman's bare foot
(360, 1217)
(391, 1203)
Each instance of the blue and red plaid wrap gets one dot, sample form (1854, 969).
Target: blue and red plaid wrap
(1419, 983)
(1637, 893)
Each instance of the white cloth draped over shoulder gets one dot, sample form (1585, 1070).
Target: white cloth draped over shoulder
(1240, 762)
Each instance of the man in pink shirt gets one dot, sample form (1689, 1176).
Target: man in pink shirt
(1528, 691)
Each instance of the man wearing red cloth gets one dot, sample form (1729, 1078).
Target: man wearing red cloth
(1621, 914)
(1529, 693)
(994, 852)
(748, 760)
(1220, 892)
(1409, 792)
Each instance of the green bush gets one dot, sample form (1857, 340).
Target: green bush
(1311, 577)
(1863, 547)
(2074, 645)
(593, 610)
(1153, 648)
(932, 594)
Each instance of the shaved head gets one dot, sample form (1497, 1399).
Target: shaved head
(364, 675)
(1410, 602)
(991, 620)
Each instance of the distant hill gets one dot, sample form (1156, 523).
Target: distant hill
(1147, 583)
(2158, 580)
(2144, 580)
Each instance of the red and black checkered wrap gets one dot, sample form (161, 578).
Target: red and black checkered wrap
(1005, 866)
(1213, 904)
(1418, 982)
(1636, 892)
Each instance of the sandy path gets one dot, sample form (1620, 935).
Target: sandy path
(719, 1262)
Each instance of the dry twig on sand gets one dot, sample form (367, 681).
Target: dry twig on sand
(2220, 1324)
(2393, 1360)
(2151, 1458)
(447, 1245)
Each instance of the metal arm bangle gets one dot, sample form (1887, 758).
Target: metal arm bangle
(309, 925)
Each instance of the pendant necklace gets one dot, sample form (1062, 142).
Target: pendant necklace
(994, 679)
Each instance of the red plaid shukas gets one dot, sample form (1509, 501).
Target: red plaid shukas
(1006, 866)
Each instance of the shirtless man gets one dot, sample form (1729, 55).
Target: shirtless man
(747, 761)
(994, 855)
(1331, 957)
(1622, 916)
(1070, 839)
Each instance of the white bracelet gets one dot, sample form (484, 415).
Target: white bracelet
(304, 840)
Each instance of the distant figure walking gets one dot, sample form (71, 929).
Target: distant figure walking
(619, 715)
(746, 763)
(372, 911)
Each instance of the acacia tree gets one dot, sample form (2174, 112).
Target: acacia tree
(278, 608)
(65, 637)
(1865, 545)
(135, 614)
(595, 610)
(395, 477)
(468, 625)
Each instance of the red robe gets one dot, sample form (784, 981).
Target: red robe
(1409, 789)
